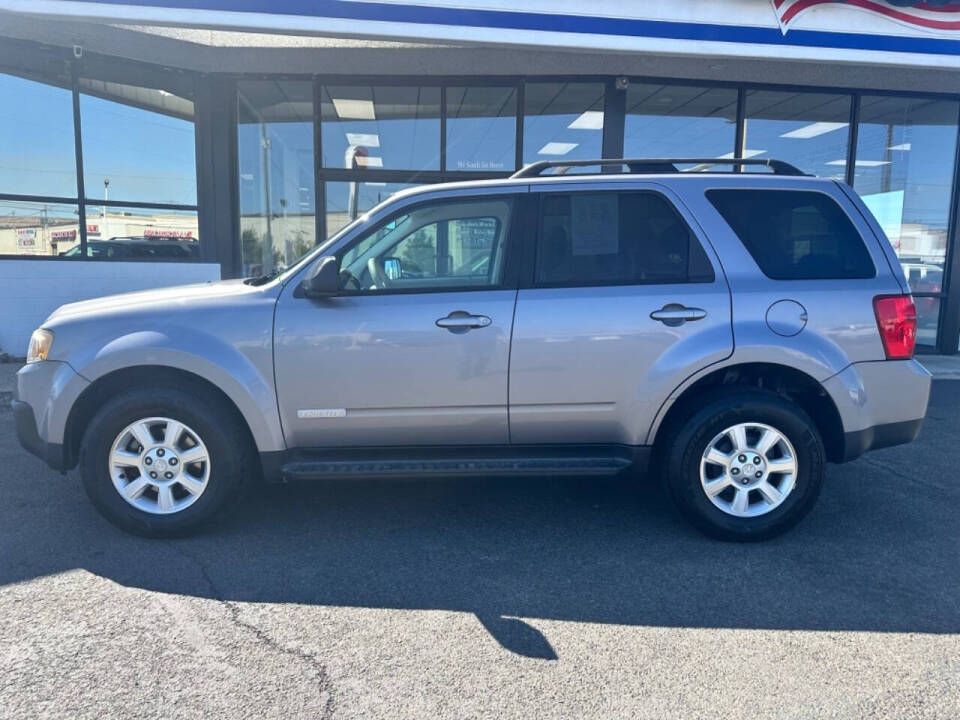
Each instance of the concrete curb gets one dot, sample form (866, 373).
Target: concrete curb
(942, 367)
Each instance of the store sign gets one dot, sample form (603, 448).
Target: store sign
(93, 230)
(160, 232)
(27, 238)
(58, 235)
(900, 32)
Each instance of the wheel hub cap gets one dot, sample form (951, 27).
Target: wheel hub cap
(159, 465)
(748, 469)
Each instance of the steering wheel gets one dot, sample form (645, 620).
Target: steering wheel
(377, 274)
(348, 281)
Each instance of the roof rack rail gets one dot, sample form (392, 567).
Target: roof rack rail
(658, 165)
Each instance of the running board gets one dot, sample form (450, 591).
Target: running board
(317, 469)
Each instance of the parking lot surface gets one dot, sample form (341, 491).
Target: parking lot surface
(552, 598)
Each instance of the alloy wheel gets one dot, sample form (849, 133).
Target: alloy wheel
(748, 469)
(159, 465)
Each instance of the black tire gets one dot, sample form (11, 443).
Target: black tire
(723, 409)
(234, 464)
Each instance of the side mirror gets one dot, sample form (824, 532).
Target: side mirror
(393, 268)
(323, 279)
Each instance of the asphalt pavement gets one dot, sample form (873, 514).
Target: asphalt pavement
(552, 598)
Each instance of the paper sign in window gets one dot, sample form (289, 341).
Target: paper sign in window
(595, 224)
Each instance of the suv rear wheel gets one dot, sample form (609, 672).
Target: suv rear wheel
(162, 462)
(748, 465)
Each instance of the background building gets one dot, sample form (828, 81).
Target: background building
(192, 148)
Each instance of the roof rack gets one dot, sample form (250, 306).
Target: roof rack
(659, 165)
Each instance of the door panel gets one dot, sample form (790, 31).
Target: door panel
(414, 350)
(589, 364)
(398, 378)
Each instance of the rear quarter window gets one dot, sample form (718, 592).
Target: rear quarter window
(616, 238)
(795, 234)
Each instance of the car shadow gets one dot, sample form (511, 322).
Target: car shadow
(877, 554)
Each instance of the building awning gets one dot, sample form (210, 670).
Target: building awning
(883, 32)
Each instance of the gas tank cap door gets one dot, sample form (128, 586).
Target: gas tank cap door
(786, 317)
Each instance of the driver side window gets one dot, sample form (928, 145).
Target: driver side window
(443, 245)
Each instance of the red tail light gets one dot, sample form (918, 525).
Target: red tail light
(897, 320)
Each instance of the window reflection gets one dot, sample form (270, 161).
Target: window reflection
(562, 121)
(444, 244)
(904, 172)
(130, 233)
(666, 121)
(809, 130)
(138, 144)
(346, 200)
(36, 139)
(481, 128)
(381, 127)
(32, 229)
(275, 150)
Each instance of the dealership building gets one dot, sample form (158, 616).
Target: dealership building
(158, 143)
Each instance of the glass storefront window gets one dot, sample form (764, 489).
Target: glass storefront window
(904, 172)
(32, 229)
(380, 127)
(562, 121)
(36, 138)
(346, 200)
(679, 121)
(132, 233)
(481, 128)
(809, 130)
(928, 319)
(138, 144)
(276, 173)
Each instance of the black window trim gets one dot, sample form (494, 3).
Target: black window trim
(530, 269)
(871, 249)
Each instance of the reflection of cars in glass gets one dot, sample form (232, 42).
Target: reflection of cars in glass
(924, 277)
(139, 248)
(732, 333)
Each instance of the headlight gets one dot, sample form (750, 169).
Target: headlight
(40, 343)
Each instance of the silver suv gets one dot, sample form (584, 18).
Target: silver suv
(731, 331)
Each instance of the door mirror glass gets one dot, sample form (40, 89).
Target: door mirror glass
(393, 268)
(322, 280)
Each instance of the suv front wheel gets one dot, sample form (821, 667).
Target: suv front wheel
(748, 465)
(163, 461)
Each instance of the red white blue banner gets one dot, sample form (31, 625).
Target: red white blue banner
(937, 15)
(883, 32)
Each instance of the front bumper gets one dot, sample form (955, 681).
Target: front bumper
(26, 424)
(45, 393)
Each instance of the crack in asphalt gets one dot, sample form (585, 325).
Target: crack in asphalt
(880, 465)
(320, 670)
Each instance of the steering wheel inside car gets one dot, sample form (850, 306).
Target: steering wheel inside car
(348, 281)
(377, 274)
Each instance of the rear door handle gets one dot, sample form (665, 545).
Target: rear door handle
(674, 314)
(459, 321)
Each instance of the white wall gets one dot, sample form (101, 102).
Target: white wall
(31, 289)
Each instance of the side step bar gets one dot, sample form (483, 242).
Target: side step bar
(317, 469)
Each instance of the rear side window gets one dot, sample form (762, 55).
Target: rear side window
(611, 238)
(795, 234)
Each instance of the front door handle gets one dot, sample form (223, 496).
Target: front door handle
(459, 321)
(674, 314)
